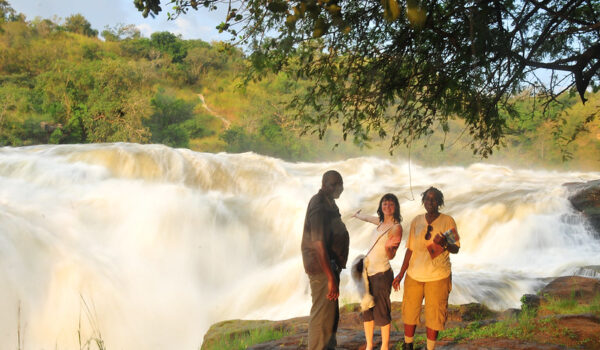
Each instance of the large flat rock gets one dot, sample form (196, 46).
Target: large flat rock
(582, 289)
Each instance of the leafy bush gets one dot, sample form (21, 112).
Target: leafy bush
(166, 122)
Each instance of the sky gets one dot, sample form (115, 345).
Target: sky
(101, 13)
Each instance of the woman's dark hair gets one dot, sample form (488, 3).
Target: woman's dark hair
(439, 196)
(393, 198)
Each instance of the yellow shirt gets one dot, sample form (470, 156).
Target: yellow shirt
(421, 267)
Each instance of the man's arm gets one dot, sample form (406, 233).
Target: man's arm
(324, 263)
(317, 235)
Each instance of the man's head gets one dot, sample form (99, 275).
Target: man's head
(332, 184)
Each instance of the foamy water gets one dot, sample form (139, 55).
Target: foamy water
(150, 245)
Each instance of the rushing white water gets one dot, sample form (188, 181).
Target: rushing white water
(148, 245)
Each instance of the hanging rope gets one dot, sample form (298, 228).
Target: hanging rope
(409, 170)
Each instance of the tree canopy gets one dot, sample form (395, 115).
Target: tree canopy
(8, 14)
(78, 24)
(400, 69)
(65, 87)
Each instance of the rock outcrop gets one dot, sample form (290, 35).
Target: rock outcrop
(581, 289)
(586, 199)
(567, 331)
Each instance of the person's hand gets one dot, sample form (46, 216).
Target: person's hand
(334, 291)
(355, 215)
(440, 240)
(396, 282)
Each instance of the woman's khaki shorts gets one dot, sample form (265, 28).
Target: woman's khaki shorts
(436, 302)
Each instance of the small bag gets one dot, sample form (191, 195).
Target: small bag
(359, 274)
(356, 270)
(361, 280)
(358, 265)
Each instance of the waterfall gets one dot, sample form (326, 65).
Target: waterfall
(147, 246)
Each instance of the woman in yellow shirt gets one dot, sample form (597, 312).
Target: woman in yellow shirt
(432, 237)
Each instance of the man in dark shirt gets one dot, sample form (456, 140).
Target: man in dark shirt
(325, 244)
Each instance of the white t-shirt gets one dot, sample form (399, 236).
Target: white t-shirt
(421, 267)
(378, 259)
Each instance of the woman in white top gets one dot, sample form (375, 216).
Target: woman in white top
(385, 241)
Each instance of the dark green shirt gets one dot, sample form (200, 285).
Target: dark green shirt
(323, 222)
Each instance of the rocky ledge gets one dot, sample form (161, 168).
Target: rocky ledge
(563, 315)
(585, 197)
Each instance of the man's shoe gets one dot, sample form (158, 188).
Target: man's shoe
(407, 346)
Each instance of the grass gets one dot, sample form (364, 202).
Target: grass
(572, 306)
(20, 342)
(94, 339)
(501, 329)
(246, 339)
(476, 330)
(348, 305)
(522, 327)
(420, 342)
(96, 336)
(527, 326)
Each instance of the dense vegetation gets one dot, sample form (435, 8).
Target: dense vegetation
(398, 67)
(61, 83)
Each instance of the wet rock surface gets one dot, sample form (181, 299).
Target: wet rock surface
(585, 198)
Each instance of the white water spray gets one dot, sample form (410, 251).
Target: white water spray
(147, 246)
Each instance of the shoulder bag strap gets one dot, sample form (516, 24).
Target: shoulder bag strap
(378, 238)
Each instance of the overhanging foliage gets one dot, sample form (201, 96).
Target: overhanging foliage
(399, 69)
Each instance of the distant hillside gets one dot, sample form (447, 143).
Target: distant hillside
(61, 83)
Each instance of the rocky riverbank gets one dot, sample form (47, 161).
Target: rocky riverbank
(563, 315)
(585, 197)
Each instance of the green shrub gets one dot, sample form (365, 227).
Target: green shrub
(246, 339)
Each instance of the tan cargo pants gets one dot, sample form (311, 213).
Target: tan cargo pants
(324, 315)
